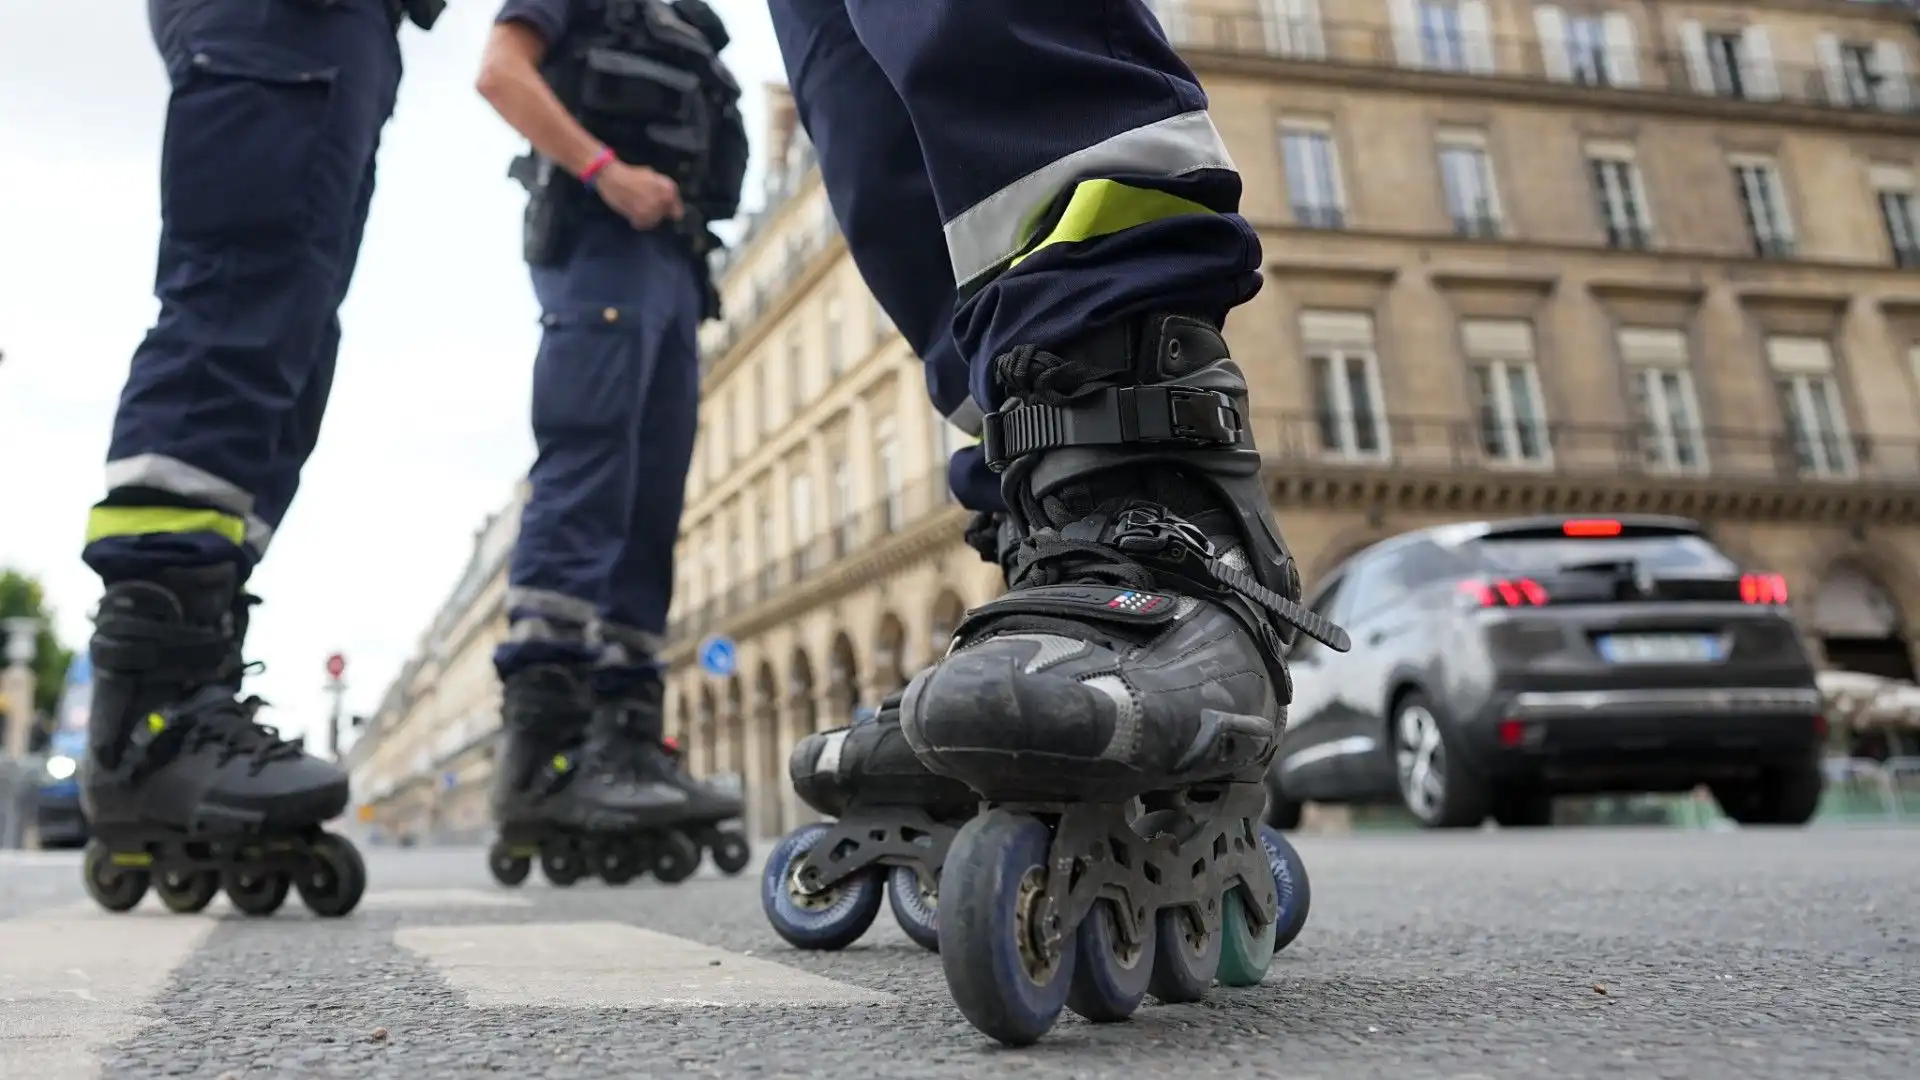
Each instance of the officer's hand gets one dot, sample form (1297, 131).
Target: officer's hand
(639, 194)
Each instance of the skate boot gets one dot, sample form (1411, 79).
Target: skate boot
(565, 790)
(670, 844)
(822, 883)
(185, 793)
(1119, 706)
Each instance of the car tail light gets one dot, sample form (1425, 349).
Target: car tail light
(1590, 527)
(671, 743)
(1505, 592)
(1513, 732)
(1763, 589)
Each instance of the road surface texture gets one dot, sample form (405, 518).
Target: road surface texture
(1563, 955)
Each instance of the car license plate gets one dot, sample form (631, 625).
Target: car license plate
(1662, 649)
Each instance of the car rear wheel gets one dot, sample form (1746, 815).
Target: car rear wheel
(1784, 796)
(1282, 813)
(1437, 785)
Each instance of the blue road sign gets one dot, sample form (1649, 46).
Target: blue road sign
(718, 656)
(449, 781)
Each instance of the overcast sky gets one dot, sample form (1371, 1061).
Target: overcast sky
(428, 427)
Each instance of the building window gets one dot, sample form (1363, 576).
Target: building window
(800, 520)
(1443, 35)
(1293, 28)
(1173, 18)
(1660, 389)
(716, 436)
(1893, 185)
(840, 510)
(1863, 75)
(1346, 383)
(1810, 405)
(1763, 200)
(769, 577)
(796, 371)
(1313, 176)
(1728, 64)
(886, 452)
(1513, 426)
(1466, 177)
(1620, 196)
(1592, 50)
(736, 544)
(836, 339)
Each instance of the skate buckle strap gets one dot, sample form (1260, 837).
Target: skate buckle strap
(1112, 417)
(1168, 545)
(1101, 603)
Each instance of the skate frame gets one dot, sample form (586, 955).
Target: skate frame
(912, 837)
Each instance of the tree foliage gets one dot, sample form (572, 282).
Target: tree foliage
(22, 595)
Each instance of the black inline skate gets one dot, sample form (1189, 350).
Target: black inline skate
(565, 790)
(185, 793)
(1118, 707)
(822, 883)
(697, 825)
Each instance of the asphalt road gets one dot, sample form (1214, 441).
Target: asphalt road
(1568, 955)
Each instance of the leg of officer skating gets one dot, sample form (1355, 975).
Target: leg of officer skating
(566, 786)
(271, 127)
(876, 180)
(1089, 210)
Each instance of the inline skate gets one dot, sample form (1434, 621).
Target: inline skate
(822, 883)
(1116, 710)
(638, 713)
(185, 792)
(567, 792)
(728, 848)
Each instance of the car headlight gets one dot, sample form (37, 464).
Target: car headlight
(61, 767)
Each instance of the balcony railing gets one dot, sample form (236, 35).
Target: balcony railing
(1476, 226)
(1662, 69)
(854, 533)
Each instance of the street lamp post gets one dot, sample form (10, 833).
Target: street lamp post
(17, 683)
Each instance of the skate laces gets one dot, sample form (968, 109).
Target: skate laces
(218, 719)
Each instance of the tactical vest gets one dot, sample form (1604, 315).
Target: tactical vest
(649, 83)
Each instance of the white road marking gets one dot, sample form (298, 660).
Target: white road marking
(612, 965)
(77, 979)
(39, 858)
(378, 899)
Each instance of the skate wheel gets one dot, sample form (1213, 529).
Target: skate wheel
(1109, 978)
(560, 867)
(915, 907)
(115, 888)
(618, 864)
(675, 858)
(731, 853)
(508, 868)
(1291, 885)
(256, 893)
(1245, 953)
(828, 920)
(1185, 958)
(187, 892)
(1008, 961)
(334, 877)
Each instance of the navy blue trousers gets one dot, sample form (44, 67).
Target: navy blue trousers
(616, 402)
(1015, 172)
(267, 171)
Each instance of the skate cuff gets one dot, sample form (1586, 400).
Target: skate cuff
(1086, 603)
(1113, 417)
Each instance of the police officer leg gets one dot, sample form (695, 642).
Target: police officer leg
(273, 118)
(1090, 213)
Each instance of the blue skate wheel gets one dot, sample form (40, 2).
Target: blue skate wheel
(1109, 979)
(1008, 963)
(1291, 886)
(915, 908)
(1185, 959)
(829, 920)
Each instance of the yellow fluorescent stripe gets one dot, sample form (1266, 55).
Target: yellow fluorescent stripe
(110, 521)
(1104, 207)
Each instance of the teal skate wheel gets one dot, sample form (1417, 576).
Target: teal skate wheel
(1245, 952)
(1186, 960)
(187, 892)
(116, 882)
(1009, 963)
(1109, 977)
(1291, 885)
(916, 906)
(828, 920)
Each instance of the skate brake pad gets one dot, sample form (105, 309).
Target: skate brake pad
(1104, 603)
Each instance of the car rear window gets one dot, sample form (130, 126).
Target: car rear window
(1679, 556)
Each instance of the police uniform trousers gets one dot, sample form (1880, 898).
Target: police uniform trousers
(616, 402)
(267, 171)
(1023, 170)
